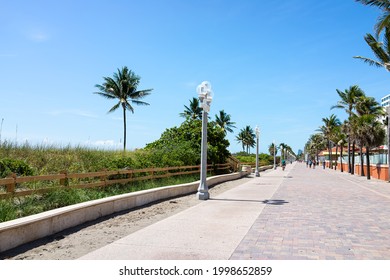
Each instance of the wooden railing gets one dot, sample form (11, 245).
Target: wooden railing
(22, 186)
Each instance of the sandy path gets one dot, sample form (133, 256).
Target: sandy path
(78, 241)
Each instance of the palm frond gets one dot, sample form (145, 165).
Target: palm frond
(386, 39)
(377, 48)
(370, 61)
(140, 103)
(337, 106)
(129, 107)
(115, 107)
(112, 86)
(382, 23)
(383, 4)
(140, 94)
(107, 95)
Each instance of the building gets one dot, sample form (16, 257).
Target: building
(385, 101)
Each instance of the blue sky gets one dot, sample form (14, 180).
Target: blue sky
(275, 64)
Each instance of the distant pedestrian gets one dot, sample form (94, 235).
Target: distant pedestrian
(314, 164)
(283, 164)
(323, 164)
(307, 163)
(310, 163)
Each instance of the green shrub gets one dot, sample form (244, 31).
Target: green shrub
(120, 163)
(19, 167)
(7, 210)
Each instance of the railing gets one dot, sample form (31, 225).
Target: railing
(22, 186)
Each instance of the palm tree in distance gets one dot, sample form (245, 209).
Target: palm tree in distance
(384, 19)
(282, 147)
(348, 100)
(193, 112)
(223, 120)
(370, 131)
(123, 86)
(328, 129)
(380, 50)
(315, 144)
(241, 139)
(249, 138)
(246, 137)
(272, 149)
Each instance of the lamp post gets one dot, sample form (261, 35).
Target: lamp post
(257, 174)
(274, 155)
(205, 97)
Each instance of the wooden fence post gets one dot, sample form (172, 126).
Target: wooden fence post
(11, 187)
(65, 181)
(104, 177)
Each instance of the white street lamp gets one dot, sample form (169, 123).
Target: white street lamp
(257, 174)
(205, 97)
(274, 155)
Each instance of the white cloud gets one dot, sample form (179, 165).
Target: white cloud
(109, 144)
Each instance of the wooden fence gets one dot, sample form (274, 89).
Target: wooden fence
(22, 186)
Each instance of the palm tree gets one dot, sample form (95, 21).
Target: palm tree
(193, 112)
(315, 144)
(339, 138)
(342, 139)
(272, 149)
(247, 137)
(369, 130)
(123, 86)
(241, 139)
(223, 120)
(371, 134)
(380, 50)
(384, 18)
(348, 100)
(282, 147)
(328, 130)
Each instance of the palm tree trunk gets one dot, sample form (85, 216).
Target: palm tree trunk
(368, 163)
(337, 149)
(341, 158)
(361, 161)
(349, 156)
(353, 158)
(124, 128)
(330, 155)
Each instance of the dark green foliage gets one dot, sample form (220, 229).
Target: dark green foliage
(120, 163)
(264, 159)
(7, 210)
(182, 144)
(17, 166)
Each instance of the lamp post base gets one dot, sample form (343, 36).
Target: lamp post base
(202, 195)
(257, 174)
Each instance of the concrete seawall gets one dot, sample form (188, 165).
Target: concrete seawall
(23, 230)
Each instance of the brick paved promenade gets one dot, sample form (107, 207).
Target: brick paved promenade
(299, 213)
(322, 214)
